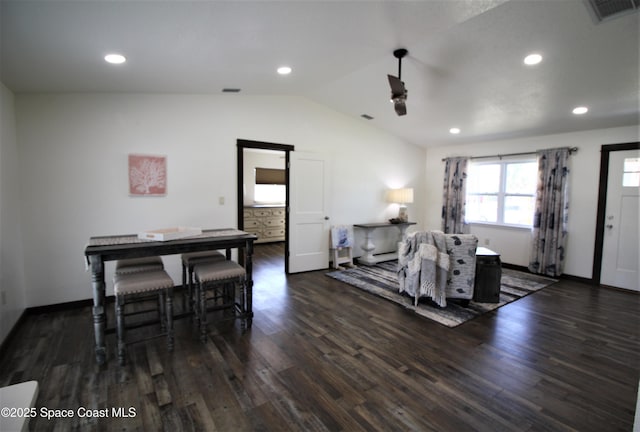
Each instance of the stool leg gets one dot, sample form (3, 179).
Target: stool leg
(169, 318)
(185, 290)
(230, 295)
(195, 301)
(192, 302)
(203, 312)
(120, 329)
(162, 312)
(243, 303)
(227, 297)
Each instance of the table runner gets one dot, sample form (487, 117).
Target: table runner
(133, 238)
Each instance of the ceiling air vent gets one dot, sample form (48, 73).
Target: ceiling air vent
(606, 9)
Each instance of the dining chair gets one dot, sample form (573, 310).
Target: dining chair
(141, 286)
(134, 265)
(189, 261)
(143, 264)
(225, 281)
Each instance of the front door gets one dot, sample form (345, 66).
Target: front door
(308, 214)
(620, 258)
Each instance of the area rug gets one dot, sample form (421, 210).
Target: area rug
(382, 281)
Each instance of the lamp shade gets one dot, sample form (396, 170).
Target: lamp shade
(400, 196)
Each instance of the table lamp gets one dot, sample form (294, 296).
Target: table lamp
(401, 196)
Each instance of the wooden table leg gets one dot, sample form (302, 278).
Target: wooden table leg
(248, 265)
(99, 311)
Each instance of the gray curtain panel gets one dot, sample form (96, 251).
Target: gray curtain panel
(549, 232)
(454, 196)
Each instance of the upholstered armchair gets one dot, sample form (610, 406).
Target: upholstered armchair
(437, 265)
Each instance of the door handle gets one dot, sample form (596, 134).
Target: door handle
(326, 218)
(609, 226)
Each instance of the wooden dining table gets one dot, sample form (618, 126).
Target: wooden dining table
(110, 248)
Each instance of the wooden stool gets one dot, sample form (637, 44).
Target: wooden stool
(189, 261)
(140, 286)
(220, 277)
(134, 265)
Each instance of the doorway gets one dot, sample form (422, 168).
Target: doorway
(616, 261)
(267, 213)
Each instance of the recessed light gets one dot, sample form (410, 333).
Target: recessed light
(532, 59)
(284, 70)
(115, 58)
(580, 110)
(454, 130)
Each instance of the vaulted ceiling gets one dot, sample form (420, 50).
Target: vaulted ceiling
(464, 68)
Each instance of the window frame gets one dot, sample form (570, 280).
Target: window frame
(501, 194)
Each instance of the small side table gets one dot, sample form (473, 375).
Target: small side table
(368, 247)
(488, 275)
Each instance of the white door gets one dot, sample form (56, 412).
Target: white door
(620, 259)
(308, 215)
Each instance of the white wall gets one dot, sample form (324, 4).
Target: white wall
(73, 169)
(12, 288)
(514, 244)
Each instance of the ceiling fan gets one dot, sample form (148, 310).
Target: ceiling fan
(398, 90)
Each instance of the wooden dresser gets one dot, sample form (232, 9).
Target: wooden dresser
(266, 222)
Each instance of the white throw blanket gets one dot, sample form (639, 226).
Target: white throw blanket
(433, 274)
(408, 266)
(423, 266)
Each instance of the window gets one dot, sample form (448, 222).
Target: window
(631, 174)
(270, 186)
(270, 194)
(502, 192)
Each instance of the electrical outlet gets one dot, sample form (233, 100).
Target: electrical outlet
(486, 242)
(221, 200)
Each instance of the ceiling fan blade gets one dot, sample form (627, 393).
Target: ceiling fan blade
(397, 86)
(400, 107)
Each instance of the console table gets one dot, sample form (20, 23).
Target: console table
(110, 248)
(368, 247)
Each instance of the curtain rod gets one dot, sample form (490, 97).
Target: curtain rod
(500, 156)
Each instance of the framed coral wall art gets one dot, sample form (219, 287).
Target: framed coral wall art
(147, 175)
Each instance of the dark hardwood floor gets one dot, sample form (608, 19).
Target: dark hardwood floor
(322, 355)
